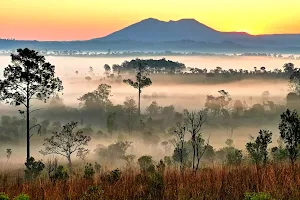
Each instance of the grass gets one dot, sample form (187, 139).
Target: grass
(277, 180)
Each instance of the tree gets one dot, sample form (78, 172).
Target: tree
(114, 152)
(28, 77)
(289, 128)
(107, 70)
(130, 112)
(194, 122)
(99, 98)
(180, 152)
(153, 109)
(258, 149)
(111, 122)
(145, 163)
(67, 142)
(141, 80)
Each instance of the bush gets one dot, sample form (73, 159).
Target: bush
(156, 186)
(89, 171)
(257, 196)
(60, 174)
(146, 163)
(3, 196)
(93, 192)
(33, 168)
(113, 176)
(234, 157)
(22, 197)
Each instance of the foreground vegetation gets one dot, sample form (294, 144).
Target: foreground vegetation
(276, 180)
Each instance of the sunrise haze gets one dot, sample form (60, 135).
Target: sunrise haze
(80, 20)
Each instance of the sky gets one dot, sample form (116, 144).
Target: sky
(85, 19)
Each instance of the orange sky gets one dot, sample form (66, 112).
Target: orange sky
(85, 19)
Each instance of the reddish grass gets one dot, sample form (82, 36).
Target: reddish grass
(279, 180)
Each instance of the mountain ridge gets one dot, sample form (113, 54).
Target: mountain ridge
(181, 35)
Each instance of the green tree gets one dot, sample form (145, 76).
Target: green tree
(107, 70)
(153, 109)
(289, 128)
(111, 122)
(67, 142)
(29, 77)
(99, 98)
(258, 149)
(141, 80)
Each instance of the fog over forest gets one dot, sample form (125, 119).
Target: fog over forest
(166, 91)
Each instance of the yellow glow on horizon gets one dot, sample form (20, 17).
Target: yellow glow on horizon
(84, 19)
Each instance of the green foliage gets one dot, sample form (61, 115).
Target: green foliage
(257, 196)
(114, 176)
(33, 168)
(289, 128)
(66, 142)
(168, 161)
(22, 197)
(155, 186)
(234, 157)
(3, 196)
(60, 174)
(113, 152)
(141, 79)
(153, 109)
(258, 149)
(146, 163)
(89, 171)
(93, 192)
(111, 122)
(28, 69)
(99, 98)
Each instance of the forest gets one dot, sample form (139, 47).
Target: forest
(104, 150)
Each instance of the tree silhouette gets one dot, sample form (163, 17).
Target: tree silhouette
(290, 133)
(258, 149)
(67, 142)
(28, 77)
(107, 69)
(141, 81)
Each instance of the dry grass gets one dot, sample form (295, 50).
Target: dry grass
(279, 180)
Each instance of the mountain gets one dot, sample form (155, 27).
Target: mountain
(154, 30)
(182, 35)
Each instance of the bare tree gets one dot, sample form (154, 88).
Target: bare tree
(194, 122)
(67, 142)
(178, 143)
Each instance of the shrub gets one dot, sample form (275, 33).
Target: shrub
(93, 192)
(89, 171)
(113, 176)
(257, 196)
(60, 174)
(22, 197)
(234, 157)
(3, 196)
(146, 163)
(33, 168)
(156, 186)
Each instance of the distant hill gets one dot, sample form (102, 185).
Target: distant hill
(153, 30)
(182, 35)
